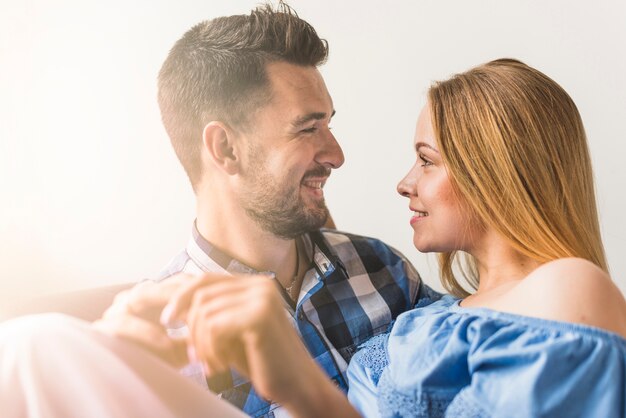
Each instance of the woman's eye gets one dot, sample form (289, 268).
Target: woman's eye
(425, 162)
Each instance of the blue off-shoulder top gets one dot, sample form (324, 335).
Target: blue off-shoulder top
(443, 360)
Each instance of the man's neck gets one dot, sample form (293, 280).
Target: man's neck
(235, 234)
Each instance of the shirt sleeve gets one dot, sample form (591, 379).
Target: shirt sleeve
(364, 373)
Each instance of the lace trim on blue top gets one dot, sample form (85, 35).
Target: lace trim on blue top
(463, 405)
(393, 403)
(373, 355)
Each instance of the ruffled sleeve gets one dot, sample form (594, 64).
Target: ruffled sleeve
(364, 372)
(447, 361)
(517, 372)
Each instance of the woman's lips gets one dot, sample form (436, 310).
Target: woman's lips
(418, 216)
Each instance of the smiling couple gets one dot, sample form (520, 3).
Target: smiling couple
(283, 318)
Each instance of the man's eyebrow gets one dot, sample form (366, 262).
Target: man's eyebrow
(419, 145)
(309, 117)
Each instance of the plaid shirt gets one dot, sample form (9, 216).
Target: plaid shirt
(353, 289)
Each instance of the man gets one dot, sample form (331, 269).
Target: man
(248, 116)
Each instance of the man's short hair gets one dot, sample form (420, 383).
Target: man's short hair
(217, 71)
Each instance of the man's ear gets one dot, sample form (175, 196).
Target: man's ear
(221, 146)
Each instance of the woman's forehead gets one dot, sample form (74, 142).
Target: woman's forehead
(424, 130)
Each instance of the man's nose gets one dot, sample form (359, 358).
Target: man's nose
(331, 154)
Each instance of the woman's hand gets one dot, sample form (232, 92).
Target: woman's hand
(134, 316)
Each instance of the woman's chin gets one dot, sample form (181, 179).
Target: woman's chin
(425, 246)
(422, 246)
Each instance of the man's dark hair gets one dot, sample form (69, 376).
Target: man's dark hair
(216, 71)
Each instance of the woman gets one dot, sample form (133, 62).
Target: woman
(502, 157)
(503, 176)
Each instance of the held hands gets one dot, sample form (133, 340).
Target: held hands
(240, 322)
(134, 316)
(233, 321)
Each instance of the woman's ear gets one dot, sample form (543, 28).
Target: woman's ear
(220, 145)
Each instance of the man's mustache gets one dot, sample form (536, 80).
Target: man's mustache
(319, 171)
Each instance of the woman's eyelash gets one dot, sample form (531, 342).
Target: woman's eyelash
(425, 161)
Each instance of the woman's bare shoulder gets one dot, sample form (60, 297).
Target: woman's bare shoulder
(573, 290)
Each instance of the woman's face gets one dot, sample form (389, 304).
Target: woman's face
(439, 222)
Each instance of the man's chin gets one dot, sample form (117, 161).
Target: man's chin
(319, 213)
(315, 219)
(310, 220)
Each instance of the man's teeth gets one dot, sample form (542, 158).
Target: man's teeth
(420, 214)
(314, 184)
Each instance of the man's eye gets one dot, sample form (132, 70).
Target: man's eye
(309, 130)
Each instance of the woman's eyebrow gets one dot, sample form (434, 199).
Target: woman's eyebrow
(418, 145)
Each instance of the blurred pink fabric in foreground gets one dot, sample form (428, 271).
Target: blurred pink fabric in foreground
(54, 365)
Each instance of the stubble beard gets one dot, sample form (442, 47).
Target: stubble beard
(278, 207)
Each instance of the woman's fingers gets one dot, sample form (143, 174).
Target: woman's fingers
(134, 316)
(146, 299)
(212, 285)
(217, 311)
(150, 336)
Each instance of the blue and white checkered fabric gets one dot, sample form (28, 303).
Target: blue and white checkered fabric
(354, 288)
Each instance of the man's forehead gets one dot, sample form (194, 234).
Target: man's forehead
(290, 73)
(298, 93)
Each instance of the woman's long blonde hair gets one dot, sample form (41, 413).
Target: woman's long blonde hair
(516, 153)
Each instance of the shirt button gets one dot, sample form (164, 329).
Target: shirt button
(300, 316)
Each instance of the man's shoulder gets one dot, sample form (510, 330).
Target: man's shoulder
(362, 254)
(336, 237)
(370, 260)
(177, 264)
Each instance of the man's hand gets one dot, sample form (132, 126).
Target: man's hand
(135, 316)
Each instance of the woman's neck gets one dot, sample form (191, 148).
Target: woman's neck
(500, 267)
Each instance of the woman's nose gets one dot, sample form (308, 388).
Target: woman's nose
(406, 186)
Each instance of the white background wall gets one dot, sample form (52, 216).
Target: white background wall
(92, 193)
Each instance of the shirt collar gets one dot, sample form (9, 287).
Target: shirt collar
(212, 259)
